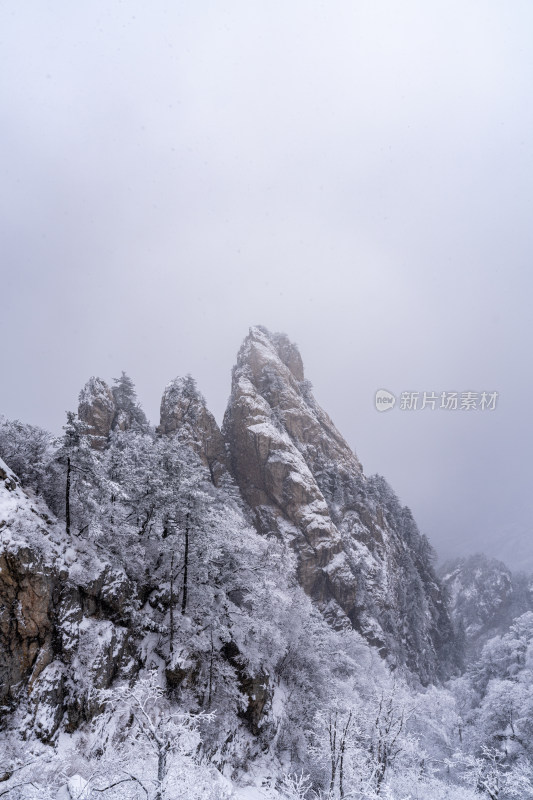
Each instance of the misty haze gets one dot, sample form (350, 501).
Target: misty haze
(265, 504)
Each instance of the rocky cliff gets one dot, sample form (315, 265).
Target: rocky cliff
(277, 436)
(184, 413)
(80, 613)
(96, 408)
(360, 555)
(104, 409)
(65, 616)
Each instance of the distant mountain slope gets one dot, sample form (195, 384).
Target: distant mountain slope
(485, 598)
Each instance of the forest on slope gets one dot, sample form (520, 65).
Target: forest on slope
(194, 613)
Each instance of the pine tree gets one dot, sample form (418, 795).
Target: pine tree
(129, 415)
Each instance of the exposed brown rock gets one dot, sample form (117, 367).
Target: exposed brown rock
(357, 548)
(48, 620)
(97, 409)
(25, 615)
(184, 413)
(103, 409)
(276, 438)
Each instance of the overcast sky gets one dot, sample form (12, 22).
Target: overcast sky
(356, 174)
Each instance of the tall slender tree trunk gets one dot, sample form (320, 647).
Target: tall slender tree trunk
(380, 774)
(186, 564)
(171, 605)
(161, 770)
(333, 752)
(342, 751)
(67, 499)
(210, 692)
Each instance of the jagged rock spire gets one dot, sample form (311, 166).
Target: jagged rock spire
(104, 409)
(184, 413)
(275, 434)
(356, 547)
(96, 407)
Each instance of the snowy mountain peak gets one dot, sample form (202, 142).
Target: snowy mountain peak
(283, 349)
(354, 543)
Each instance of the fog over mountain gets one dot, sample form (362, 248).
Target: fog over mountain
(355, 174)
(241, 613)
(224, 576)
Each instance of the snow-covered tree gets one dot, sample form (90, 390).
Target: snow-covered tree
(129, 415)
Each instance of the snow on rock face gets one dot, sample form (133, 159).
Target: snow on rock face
(184, 413)
(104, 410)
(354, 559)
(55, 595)
(25, 587)
(485, 598)
(267, 411)
(97, 409)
